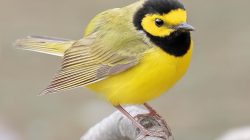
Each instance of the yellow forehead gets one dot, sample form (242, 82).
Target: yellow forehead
(174, 17)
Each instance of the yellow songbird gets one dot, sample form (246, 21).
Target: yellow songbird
(129, 55)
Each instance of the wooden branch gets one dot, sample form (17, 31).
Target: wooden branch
(118, 127)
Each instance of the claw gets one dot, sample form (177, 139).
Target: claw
(144, 133)
(145, 122)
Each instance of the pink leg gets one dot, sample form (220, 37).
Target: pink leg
(124, 112)
(154, 114)
(143, 131)
(151, 110)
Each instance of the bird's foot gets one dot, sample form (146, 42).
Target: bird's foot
(152, 133)
(157, 121)
(155, 115)
(152, 126)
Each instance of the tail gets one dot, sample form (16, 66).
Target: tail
(48, 45)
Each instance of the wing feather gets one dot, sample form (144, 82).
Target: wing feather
(85, 63)
(105, 50)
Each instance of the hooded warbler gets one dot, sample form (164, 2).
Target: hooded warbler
(129, 55)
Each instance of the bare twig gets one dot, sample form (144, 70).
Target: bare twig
(118, 127)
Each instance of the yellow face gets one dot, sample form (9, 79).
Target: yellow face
(163, 25)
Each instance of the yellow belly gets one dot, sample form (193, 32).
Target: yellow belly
(154, 75)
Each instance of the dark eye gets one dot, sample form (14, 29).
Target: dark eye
(159, 22)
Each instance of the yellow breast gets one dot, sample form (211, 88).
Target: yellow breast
(154, 75)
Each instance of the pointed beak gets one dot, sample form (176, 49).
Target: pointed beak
(184, 27)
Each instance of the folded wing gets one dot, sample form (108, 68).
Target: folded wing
(87, 62)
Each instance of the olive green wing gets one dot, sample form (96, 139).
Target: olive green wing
(88, 61)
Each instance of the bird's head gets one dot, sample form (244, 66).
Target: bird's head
(163, 20)
(160, 18)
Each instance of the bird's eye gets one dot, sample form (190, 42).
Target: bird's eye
(159, 22)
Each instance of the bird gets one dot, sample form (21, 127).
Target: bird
(129, 55)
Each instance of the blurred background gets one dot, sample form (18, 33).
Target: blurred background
(212, 98)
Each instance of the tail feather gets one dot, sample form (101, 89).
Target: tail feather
(42, 44)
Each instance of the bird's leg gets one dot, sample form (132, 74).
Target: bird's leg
(158, 117)
(124, 112)
(152, 113)
(143, 131)
(151, 110)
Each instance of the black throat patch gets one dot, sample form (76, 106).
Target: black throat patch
(176, 44)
